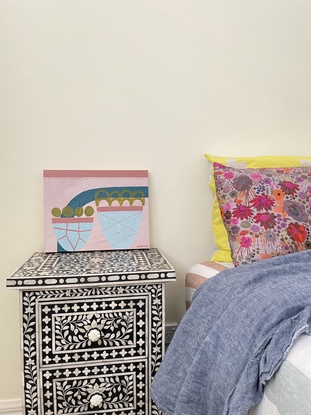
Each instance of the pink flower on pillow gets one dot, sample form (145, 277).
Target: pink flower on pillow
(246, 242)
(245, 245)
(262, 202)
(256, 176)
(228, 175)
(289, 188)
(227, 206)
(242, 212)
(267, 220)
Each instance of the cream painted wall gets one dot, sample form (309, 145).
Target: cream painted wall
(138, 84)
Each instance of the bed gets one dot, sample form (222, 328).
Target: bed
(259, 275)
(289, 390)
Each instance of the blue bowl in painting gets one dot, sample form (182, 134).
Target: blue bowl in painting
(72, 233)
(120, 224)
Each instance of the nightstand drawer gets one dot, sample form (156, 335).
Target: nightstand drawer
(118, 388)
(109, 326)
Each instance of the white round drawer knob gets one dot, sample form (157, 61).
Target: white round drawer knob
(94, 335)
(96, 400)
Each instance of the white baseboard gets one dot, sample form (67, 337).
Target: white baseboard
(11, 407)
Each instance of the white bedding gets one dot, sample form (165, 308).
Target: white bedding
(288, 392)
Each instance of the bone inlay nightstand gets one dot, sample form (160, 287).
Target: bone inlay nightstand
(92, 330)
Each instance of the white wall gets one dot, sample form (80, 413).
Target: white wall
(138, 84)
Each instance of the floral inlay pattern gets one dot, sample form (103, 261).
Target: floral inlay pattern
(103, 393)
(82, 330)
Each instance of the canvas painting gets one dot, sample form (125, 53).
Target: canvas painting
(87, 210)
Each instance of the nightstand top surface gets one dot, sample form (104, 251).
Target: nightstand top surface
(87, 268)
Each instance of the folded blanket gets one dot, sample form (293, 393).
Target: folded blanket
(233, 338)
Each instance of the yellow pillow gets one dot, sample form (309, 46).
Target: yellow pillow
(223, 253)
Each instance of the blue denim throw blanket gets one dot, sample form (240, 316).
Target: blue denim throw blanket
(236, 334)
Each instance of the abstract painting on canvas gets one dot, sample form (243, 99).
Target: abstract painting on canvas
(86, 210)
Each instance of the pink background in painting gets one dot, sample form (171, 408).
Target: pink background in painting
(61, 186)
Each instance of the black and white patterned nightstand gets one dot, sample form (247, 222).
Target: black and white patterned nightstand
(92, 330)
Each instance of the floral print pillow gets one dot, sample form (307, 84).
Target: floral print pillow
(266, 212)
